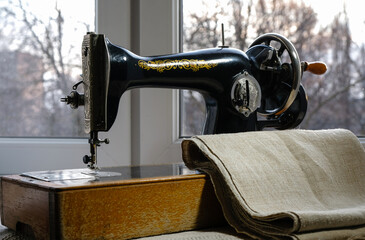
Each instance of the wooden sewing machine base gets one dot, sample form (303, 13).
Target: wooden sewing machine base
(143, 201)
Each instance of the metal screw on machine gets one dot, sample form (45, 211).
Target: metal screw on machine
(74, 99)
(86, 159)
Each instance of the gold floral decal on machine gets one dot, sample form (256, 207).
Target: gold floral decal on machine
(187, 64)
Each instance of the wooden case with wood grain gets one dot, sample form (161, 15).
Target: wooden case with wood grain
(143, 201)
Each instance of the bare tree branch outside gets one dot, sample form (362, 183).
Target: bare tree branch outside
(336, 99)
(40, 63)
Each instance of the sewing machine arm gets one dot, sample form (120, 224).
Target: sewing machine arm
(237, 86)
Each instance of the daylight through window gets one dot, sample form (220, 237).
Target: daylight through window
(330, 31)
(40, 45)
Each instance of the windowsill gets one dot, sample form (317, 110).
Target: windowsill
(41, 140)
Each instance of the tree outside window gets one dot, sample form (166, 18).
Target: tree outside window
(336, 99)
(40, 44)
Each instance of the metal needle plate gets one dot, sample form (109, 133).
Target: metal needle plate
(69, 174)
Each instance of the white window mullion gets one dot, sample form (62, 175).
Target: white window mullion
(156, 130)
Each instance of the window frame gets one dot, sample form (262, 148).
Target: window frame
(155, 112)
(142, 112)
(126, 23)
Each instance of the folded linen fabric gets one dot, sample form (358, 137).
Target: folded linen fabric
(292, 184)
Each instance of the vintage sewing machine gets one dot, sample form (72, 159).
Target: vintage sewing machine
(237, 86)
(243, 91)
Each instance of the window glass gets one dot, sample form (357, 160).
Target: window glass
(331, 31)
(40, 46)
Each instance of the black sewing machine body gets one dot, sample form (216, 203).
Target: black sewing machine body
(212, 72)
(209, 71)
(236, 86)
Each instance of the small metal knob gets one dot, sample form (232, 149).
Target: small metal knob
(74, 99)
(86, 159)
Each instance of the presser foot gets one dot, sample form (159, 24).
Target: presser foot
(95, 170)
(94, 142)
(91, 164)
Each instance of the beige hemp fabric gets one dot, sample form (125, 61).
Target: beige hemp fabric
(292, 184)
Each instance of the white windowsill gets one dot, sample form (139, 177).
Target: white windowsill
(38, 141)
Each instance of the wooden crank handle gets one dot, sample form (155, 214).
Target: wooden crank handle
(318, 68)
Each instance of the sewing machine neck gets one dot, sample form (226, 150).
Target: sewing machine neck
(114, 70)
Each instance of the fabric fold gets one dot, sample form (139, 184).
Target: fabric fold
(285, 184)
